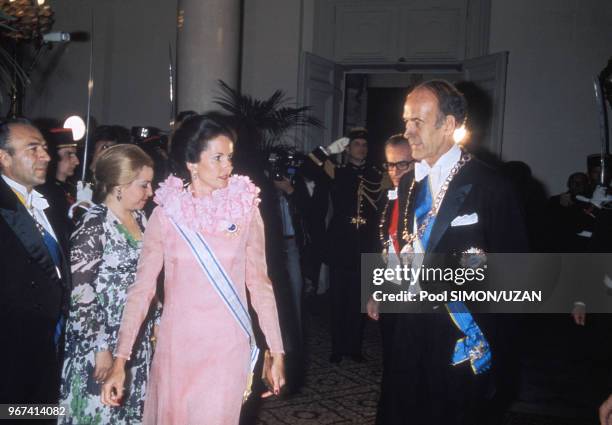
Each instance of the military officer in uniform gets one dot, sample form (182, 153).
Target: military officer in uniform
(355, 190)
(59, 189)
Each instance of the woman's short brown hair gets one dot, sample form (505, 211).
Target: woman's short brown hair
(118, 165)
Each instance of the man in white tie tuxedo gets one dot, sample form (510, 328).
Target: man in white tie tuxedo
(454, 205)
(34, 272)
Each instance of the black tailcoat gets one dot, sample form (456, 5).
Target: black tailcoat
(32, 299)
(422, 386)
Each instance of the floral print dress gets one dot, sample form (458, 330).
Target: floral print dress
(103, 262)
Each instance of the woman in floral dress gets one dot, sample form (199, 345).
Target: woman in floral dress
(104, 255)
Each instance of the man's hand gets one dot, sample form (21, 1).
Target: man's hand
(84, 192)
(579, 314)
(338, 146)
(104, 363)
(372, 308)
(284, 185)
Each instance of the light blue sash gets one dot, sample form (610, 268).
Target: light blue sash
(223, 285)
(474, 346)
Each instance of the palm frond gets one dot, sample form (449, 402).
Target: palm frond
(11, 73)
(4, 18)
(266, 121)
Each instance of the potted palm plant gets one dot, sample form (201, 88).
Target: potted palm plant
(262, 124)
(21, 22)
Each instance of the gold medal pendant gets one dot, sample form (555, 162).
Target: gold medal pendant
(358, 221)
(407, 255)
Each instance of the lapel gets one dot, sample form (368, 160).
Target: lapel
(63, 240)
(458, 191)
(19, 220)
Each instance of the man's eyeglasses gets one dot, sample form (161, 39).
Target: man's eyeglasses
(400, 166)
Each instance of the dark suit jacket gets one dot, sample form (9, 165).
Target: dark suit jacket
(477, 188)
(425, 342)
(32, 298)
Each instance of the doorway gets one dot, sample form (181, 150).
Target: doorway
(376, 101)
(343, 96)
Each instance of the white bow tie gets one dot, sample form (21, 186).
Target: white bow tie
(421, 170)
(37, 201)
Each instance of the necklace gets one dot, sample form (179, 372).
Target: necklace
(411, 237)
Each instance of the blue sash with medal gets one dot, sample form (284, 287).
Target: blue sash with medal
(473, 346)
(223, 286)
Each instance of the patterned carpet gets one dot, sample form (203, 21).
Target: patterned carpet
(347, 393)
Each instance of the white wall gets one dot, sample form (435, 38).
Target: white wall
(131, 63)
(272, 39)
(556, 47)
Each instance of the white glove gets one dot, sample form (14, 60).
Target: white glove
(84, 198)
(84, 192)
(338, 146)
(600, 196)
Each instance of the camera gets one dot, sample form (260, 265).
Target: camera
(149, 137)
(284, 163)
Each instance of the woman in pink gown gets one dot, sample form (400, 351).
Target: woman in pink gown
(202, 359)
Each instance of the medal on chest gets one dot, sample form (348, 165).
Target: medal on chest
(366, 191)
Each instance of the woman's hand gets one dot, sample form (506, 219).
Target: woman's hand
(274, 372)
(104, 363)
(605, 412)
(112, 390)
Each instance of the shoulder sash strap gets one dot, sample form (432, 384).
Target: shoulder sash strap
(223, 286)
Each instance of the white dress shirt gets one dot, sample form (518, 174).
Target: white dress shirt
(35, 203)
(440, 170)
(438, 173)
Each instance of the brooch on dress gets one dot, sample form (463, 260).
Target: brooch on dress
(230, 228)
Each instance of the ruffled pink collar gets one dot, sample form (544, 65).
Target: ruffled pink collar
(224, 210)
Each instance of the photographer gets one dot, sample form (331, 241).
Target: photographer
(292, 200)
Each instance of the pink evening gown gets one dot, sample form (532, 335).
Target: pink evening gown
(201, 363)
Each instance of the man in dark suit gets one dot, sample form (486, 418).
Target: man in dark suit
(456, 204)
(398, 162)
(34, 273)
